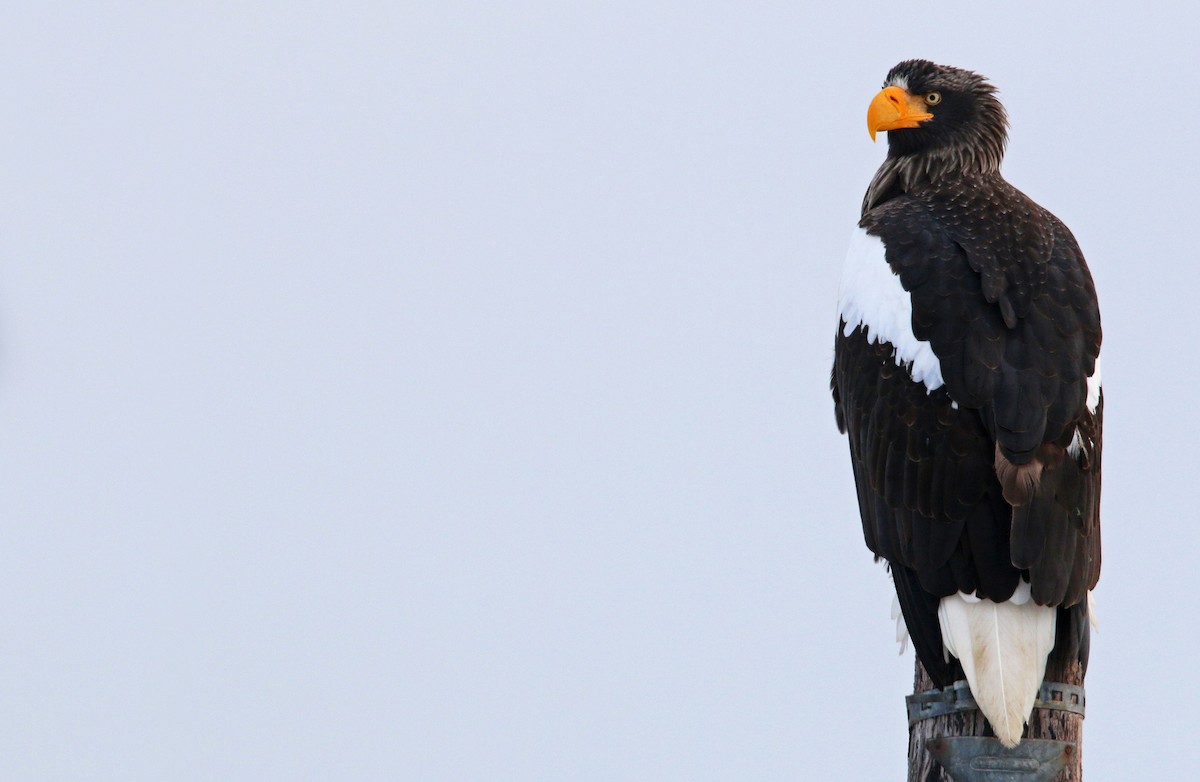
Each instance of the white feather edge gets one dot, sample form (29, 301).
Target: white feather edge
(901, 627)
(1093, 401)
(1003, 649)
(1093, 387)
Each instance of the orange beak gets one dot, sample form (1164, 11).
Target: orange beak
(894, 108)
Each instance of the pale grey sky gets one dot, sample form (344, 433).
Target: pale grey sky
(440, 393)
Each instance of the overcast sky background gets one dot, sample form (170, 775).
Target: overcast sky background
(442, 393)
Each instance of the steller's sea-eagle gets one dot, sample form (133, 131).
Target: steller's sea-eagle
(967, 377)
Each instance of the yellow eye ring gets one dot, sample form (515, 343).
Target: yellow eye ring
(933, 98)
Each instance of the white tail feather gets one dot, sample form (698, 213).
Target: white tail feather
(1003, 649)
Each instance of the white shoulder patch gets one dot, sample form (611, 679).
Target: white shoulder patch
(872, 297)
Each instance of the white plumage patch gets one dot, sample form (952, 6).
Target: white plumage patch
(872, 297)
(1003, 649)
(1093, 401)
(1076, 446)
(1093, 395)
(901, 627)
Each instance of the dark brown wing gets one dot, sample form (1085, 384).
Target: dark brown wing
(1010, 312)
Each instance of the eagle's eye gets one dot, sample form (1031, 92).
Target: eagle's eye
(933, 98)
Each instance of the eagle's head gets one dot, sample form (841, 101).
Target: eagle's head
(947, 116)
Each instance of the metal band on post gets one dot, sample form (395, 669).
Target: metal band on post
(957, 697)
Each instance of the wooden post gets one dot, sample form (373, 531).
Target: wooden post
(1043, 724)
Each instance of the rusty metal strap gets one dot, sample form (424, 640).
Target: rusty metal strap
(1064, 697)
(957, 697)
(936, 703)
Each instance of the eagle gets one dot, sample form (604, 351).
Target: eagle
(966, 376)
